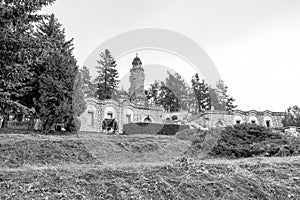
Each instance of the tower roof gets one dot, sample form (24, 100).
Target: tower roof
(136, 61)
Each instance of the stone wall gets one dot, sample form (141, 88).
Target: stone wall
(127, 112)
(124, 112)
(214, 119)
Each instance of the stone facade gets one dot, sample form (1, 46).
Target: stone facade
(124, 112)
(126, 109)
(215, 119)
(133, 108)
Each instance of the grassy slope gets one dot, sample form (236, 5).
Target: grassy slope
(124, 150)
(135, 167)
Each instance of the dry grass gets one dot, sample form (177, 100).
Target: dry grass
(137, 167)
(17, 150)
(120, 149)
(183, 180)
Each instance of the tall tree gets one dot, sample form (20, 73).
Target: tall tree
(168, 99)
(79, 103)
(172, 93)
(179, 88)
(17, 52)
(107, 80)
(56, 77)
(292, 116)
(88, 87)
(215, 101)
(152, 94)
(226, 101)
(201, 91)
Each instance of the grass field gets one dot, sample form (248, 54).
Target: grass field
(94, 166)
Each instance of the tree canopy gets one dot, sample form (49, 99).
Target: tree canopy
(292, 116)
(107, 79)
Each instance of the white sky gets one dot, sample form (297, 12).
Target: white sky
(255, 44)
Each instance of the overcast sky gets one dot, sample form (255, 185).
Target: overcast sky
(255, 44)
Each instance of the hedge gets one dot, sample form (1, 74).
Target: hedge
(247, 140)
(152, 128)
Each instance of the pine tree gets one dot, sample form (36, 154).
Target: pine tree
(88, 87)
(17, 52)
(172, 94)
(177, 85)
(292, 116)
(79, 103)
(152, 94)
(106, 82)
(225, 100)
(201, 91)
(168, 99)
(55, 77)
(215, 101)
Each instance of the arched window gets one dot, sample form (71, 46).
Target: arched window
(253, 120)
(110, 113)
(129, 115)
(268, 121)
(147, 119)
(237, 119)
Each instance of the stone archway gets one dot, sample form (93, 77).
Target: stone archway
(237, 119)
(109, 112)
(253, 119)
(148, 118)
(89, 118)
(268, 121)
(128, 115)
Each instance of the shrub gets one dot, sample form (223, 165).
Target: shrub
(152, 128)
(247, 140)
(202, 141)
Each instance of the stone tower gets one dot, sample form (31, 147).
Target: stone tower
(137, 78)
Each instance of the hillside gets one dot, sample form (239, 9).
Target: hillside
(93, 166)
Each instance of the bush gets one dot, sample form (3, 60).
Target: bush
(152, 128)
(247, 140)
(202, 141)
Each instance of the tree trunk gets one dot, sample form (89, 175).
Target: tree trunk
(5, 121)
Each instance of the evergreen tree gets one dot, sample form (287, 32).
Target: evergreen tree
(292, 117)
(88, 87)
(17, 52)
(172, 94)
(106, 82)
(179, 88)
(225, 100)
(79, 103)
(168, 99)
(152, 94)
(215, 101)
(201, 91)
(192, 101)
(55, 77)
